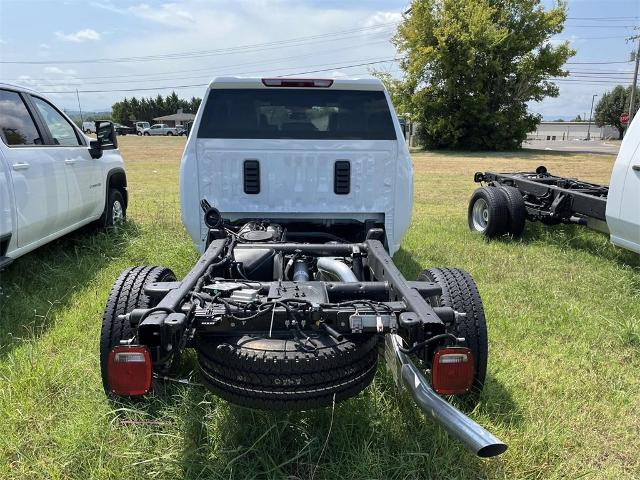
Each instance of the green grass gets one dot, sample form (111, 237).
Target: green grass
(563, 388)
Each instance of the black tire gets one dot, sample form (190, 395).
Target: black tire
(139, 133)
(115, 211)
(126, 294)
(275, 374)
(146, 134)
(517, 210)
(488, 213)
(460, 292)
(169, 134)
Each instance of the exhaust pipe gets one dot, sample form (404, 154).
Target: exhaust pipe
(337, 268)
(406, 374)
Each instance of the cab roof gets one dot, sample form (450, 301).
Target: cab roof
(302, 82)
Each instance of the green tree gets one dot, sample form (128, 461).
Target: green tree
(471, 66)
(611, 105)
(578, 118)
(397, 91)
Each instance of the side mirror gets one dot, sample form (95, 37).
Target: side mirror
(106, 134)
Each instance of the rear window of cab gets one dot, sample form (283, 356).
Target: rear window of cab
(297, 114)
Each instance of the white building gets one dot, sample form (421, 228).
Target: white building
(572, 131)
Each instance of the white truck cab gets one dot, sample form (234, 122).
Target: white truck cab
(53, 178)
(328, 152)
(623, 202)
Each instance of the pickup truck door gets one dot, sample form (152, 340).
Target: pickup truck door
(623, 201)
(6, 205)
(85, 188)
(39, 182)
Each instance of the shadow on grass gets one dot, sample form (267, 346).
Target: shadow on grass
(580, 238)
(41, 283)
(380, 433)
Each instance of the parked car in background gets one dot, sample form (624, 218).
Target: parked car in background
(161, 129)
(141, 127)
(88, 127)
(182, 130)
(53, 178)
(123, 129)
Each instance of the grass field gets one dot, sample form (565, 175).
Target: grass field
(563, 386)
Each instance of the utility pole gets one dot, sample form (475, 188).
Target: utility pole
(79, 108)
(633, 85)
(635, 79)
(590, 115)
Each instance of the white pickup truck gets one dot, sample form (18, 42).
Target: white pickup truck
(161, 129)
(53, 178)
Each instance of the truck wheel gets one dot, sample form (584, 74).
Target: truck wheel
(126, 294)
(169, 134)
(460, 292)
(488, 213)
(277, 374)
(139, 133)
(115, 211)
(516, 208)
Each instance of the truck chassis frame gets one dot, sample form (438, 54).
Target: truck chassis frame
(552, 200)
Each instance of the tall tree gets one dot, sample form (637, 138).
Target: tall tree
(471, 66)
(611, 105)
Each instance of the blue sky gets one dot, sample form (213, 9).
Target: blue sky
(302, 37)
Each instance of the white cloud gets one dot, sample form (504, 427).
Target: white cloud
(59, 71)
(44, 46)
(79, 36)
(168, 14)
(383, 19)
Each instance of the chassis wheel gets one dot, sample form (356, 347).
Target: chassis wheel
(488, 212)
(276, 373)
(516, 208)
(126, 294)
(139, 133)
(460, 292)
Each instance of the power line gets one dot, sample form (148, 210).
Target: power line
(292, 42)
(209, 75)
(596, 63)
(205, 84)
(209, 69)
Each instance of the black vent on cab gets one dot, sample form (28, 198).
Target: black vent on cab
(342, 177)
(251, 177)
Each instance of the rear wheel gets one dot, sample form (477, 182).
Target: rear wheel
(139, 133)
(169, 134)
(516, 209)
(278, 374)
(147, 134)
(488, 212)
(126, 294)
(460, 292)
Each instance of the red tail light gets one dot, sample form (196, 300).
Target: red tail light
(297, 82)
(452, 371)
(129, 370)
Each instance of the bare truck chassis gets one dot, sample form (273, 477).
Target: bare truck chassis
(218, 302)
(551, 199)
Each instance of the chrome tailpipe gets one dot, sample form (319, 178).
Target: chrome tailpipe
(407, 375)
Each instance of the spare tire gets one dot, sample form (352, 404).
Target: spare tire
(279, 374)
